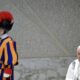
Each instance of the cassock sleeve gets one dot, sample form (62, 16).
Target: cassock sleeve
(70, 73)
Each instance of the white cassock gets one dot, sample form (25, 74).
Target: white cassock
(73, 72)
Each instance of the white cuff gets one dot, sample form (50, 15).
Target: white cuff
(6, 75)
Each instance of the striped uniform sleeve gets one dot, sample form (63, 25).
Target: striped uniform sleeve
(10, 54)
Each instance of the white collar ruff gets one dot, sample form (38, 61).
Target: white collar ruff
(4, 36)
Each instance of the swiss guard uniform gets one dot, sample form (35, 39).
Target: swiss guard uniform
(8, 52)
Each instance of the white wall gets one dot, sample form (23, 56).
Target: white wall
(45, 28)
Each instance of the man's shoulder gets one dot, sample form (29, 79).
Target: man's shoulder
(73, 63)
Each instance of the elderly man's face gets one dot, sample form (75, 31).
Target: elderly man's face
(78, 54)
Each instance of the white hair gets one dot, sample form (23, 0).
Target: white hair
(78, 48)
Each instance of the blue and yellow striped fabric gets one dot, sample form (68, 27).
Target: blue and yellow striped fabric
(8, 54)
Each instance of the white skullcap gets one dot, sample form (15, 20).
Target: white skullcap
(78, 48)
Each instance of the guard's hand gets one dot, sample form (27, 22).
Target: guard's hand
(7, 72)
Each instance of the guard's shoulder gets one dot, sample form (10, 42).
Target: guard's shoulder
(11, 39)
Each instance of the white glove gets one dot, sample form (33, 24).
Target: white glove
(6, 75)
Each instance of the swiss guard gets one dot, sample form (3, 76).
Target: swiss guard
(8, 51)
